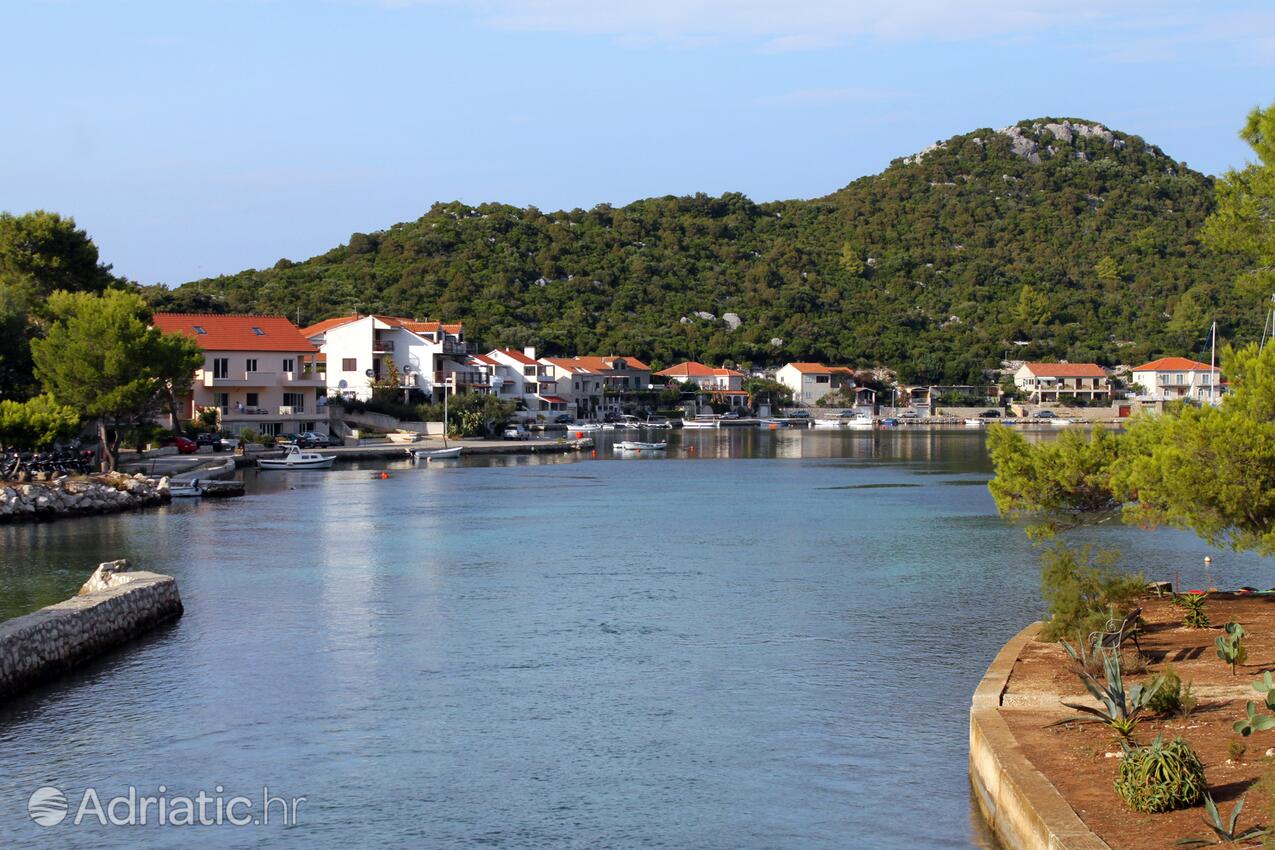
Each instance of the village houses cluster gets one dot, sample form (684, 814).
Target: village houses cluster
(264, 373)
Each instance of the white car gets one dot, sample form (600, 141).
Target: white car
(516, 432)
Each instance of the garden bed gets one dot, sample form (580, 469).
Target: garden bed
(1081, 759)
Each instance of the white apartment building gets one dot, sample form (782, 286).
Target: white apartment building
(1177, 378)
(358, 350)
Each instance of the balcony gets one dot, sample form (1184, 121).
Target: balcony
(451, 346)
(303, 379)
(248, 379)
(383, 346)
(463, 379)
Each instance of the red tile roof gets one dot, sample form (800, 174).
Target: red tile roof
(811, 368)
(395, 321)
(516, 356)
(728, 373)
(1174, 364)
(215, 332)
(603, 364)
(484, 359)
(1066, 370)
(553, 399)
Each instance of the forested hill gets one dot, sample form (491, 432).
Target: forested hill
(1058, 232)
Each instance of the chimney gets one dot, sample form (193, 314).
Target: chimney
(530, 351)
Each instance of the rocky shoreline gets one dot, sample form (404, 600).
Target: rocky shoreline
(79, 496)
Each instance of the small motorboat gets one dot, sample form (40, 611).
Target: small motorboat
(436, 454)
(974, 423)
(639, 446)
(185, 490)
(586, 426)
(830, 423)
(860, 422)
(294, 458)
(701, 422)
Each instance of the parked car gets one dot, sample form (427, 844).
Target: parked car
(1043, 414)
(184, 445)
(909, 414)
(516, 432)
(212, 440)
(799, 414)
(313, 439)
(564, 417)
(731, 414)
(990, 414)
(285, 439)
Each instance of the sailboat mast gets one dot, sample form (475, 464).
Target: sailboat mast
(1213, 367)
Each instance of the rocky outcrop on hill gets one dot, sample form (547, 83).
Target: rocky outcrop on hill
(79, 496)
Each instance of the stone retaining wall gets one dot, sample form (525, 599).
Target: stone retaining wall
(117, 608)
(1022, 807)
(79, 496)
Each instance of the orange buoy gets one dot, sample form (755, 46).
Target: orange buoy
(774, 426)
(384, 475)
(579, 435)
(593, 453)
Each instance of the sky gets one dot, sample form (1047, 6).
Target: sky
(192, 138)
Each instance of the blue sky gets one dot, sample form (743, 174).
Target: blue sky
(198, 137)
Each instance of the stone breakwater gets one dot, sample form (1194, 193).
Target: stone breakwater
(79, 496)
(113, 607)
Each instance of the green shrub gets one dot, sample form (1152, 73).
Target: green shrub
(1175, 697)
(1084, 591)
(1193, 604)
(1161, 777)
(1230, 646)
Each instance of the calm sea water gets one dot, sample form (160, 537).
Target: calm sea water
(768, 642)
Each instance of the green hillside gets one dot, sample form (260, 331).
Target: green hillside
(1078, 241)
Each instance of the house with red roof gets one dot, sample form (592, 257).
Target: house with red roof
(259, 372)
(427, 355)
(1177, 378)
(722, 385)
(810, 382)
(528, 382)
(1045, 383)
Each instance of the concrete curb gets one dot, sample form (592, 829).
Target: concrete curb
(1023, 808)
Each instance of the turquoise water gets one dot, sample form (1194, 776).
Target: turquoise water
(770, 642)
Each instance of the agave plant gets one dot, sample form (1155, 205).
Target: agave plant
(1118, 711)
(1253, 722)
(1230, 646)
(1160, 777)
(1225, 832)
(1193, 604)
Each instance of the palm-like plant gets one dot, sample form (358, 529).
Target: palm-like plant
(1193, 604)
(1118, 711)
(1224, 831)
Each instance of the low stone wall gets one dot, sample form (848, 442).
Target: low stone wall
(1022, 807)
(113, 607)
(79, 496)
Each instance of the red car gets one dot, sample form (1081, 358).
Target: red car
(184, 446)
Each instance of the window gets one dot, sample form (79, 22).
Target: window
(223, 401)
(253, 398)
(532, 388)
(221, 367)
(289, 364)
(294, 400)
(821, 379)
(258, 331)
(349, 364)
(250, 365)
(529, 371)
(1180, 377)
(269, 429)
(307, 426)
(199, 330)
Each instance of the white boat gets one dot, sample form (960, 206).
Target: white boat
(655, 422)
(185, 490)
(700, 422)
(860, 422)
(1060, 423)
(294, 458)
(974, 423)
(830, 423)
(435, 454)
(585, 426)
(638, 446)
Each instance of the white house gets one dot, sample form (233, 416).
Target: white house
(527, 381)
(810, 382)
(357, 350)
(259, 372)
(1174, 378)
(1061, 382)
